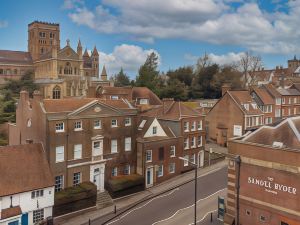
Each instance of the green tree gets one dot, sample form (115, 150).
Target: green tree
(148, 74)
(183, 74)
(175, 89)
(121, 79)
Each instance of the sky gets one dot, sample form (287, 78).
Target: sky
(179, 31)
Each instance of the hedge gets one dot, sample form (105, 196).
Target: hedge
(75, 198)
(126, 184)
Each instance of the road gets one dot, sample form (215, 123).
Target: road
(176, 206)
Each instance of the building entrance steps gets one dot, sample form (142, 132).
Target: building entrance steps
(103, 200)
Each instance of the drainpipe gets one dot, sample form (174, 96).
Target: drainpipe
(237, 186)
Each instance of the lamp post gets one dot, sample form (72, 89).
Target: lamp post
(196, 168)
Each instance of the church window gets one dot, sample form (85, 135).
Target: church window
(68, 68)
(75, 71)
(56, 92)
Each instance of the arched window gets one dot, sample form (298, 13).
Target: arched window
(56, 92)
(60, 70)
(68, 68)
(75, 71)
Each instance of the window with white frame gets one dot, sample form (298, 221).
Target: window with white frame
(295, 111)
(149, 156)
(186, 160)
(295, 100)
(290, 100)
(160, 171)
(154, 130)
(193, 128)
(193, 158)
(289, 111)
(193, 143)
(127, 169)
(78, 125)
(283, 100)
(186, 143)
(173, 151)
(114, 146)
(172, 168)
(114, 171)
(278, 101)
(60, 154)
(277, 113)
(97, 148)
(38, 215)
(76, 179)
(114, 97)
(199, 141)
(78, 151)
(128, 144)
(186, 126)
(97, 124)
(36, 194)
(144, 101)
(127, 121)
(114, 123)
(59, 127)
(200, 125)
(59, 183)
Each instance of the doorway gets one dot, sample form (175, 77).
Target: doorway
(149, 177)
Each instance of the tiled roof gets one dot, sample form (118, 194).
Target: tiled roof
(10, 212)
(15, 57)
(23, 168)
(286, 132)
(72, 104)
(171, 110)
(243, 98)
(264, 96)
(144, 92)
(116, 90)
(272, 90)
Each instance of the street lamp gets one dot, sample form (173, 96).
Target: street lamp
(196, 167)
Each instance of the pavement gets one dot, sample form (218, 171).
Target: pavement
(177, 189)
(215, 148)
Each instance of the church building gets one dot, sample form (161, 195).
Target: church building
(60, 72)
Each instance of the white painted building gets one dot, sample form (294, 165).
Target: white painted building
(26, 185)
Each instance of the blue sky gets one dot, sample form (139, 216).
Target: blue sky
(180, 31)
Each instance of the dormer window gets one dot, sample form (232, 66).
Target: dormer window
(114, 123)
(246, 106)
(144, 101)
(142, 124)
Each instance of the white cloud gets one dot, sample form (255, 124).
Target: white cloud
(129, 57)
(225, 59)
(71, 4)
(212, 21)
(3, 23)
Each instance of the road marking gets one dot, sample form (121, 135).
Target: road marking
(209, 172)
(161, 196)
(199, 221)
(188, 207)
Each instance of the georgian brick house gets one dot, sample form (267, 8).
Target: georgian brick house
(85, 139)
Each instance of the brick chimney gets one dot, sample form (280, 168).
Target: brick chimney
(24, 96)
(225, 87)
(37, 96)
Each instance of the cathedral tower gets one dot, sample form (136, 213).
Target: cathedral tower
(95, 62)
(41, 36)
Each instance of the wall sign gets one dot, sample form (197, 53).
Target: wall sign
(237, 130)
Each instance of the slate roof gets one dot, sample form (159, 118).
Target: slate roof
(144, 92)
(287, 92)
(15, 57)
(23, 168)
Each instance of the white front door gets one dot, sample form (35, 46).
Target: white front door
(97, 176)
(149, 177)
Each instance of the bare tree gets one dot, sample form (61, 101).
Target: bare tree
(249, 64)
(202, 62)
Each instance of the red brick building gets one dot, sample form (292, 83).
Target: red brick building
(95, 139)
(269, 176)
(232, 116)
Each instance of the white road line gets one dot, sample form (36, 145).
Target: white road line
(188, 207)
(161, 196)
(199, 221)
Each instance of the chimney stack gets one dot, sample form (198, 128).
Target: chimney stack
(29, 141)
(225, 87)
(37, 96)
